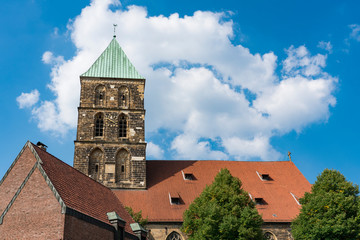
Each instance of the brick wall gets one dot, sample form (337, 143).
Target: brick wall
(15, 177)
(35, 214)
(79, 229)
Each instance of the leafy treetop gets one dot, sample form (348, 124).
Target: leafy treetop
(223, 211)
(137, 216)
(331, 211)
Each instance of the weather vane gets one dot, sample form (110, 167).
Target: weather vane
(115, 25)
(289, 154)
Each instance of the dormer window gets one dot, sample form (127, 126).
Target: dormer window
(175, 199)
(264, 176)
(188, 176)
(259, 201)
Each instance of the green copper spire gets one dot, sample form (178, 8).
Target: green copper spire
(113, 63)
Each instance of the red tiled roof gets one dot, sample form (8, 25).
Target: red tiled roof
(164, 177)
(80, 192)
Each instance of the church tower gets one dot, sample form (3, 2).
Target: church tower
(110, 144)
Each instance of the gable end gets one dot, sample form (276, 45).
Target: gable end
(18, 192)
(27, 144)
(43, 173)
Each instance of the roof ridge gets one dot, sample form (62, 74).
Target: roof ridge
(37, 148)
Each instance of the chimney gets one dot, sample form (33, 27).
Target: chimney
(42, 146)
(118, 223)
(139, 231)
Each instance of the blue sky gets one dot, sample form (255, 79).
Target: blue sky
(235, 80)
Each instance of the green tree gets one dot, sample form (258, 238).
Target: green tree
(223, 211)
(137, 216)
(331, 211)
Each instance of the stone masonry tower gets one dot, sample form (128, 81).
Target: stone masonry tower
(110, 143)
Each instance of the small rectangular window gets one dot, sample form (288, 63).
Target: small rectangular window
(188, 176)
(122, 126)
(99, 125)
(265, 177)
(175, 199)
(260, 201)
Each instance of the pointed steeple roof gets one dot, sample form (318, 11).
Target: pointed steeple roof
(113, 63)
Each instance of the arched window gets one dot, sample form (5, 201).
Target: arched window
(174, 236)
(122, 126)
(99, 125)
(95, 160)
(269, 236)
(122, 165)
(100, 95)
(124, 97)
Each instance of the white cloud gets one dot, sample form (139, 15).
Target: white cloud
(154, 150)
(191, 148)
(213, 99)
(48, 119)
(355, 32)
(244, 149)
(26, 100)
(296, 102)
(49, 58)
(325, 45)
(299, 61)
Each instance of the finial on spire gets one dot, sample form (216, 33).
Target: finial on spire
(289, 154)
(115, 25)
